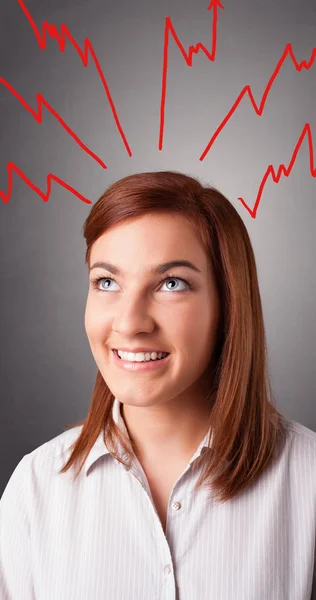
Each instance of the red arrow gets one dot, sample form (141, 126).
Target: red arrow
(214, 4)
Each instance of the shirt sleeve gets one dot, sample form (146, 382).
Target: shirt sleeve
(15, 554)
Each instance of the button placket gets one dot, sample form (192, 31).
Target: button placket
(167, 569)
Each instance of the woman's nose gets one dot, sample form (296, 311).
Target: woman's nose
(133, 316)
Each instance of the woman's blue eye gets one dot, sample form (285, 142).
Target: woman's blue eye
(103, 279)
(173, 279)
(96, 282)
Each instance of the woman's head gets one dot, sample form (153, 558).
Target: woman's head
(214, 331)
(175, 310)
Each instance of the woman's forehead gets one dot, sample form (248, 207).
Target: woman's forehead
(153, 232)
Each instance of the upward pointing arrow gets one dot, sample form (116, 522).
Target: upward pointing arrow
(214, 4)
(188, 57)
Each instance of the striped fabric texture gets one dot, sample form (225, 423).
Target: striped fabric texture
(100, 538)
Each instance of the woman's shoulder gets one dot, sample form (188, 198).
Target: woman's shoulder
(46, 460)
(36, 477)
(301, 433)
(58, 444)
(300, 450)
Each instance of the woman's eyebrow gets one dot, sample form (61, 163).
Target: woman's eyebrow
(155, 269)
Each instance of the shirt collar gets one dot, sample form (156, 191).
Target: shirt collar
(99, 448)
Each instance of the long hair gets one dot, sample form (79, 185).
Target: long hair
(247, 429)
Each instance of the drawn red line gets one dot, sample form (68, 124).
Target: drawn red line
(52, 31)
(259, 108)
(38, 117)
(282, 170)
(45, 196)
(188, 57)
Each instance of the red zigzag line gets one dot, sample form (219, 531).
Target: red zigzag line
(45, 197)
(214, 4)
(283, 170)
(52, 31)
(61, 38)
(38, 116)
(288, 51)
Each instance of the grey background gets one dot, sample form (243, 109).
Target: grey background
(47, 370)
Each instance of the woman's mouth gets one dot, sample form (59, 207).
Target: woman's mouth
(140, 365)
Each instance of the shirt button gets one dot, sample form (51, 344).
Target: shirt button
(125, 457)
(167, 569)
(176, 505)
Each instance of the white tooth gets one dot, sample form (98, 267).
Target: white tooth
(141, 356)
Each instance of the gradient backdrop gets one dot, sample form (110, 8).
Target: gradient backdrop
(47, 370)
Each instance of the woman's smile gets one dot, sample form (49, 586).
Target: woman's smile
(151, 365)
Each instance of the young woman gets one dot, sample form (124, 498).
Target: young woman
(190, 484)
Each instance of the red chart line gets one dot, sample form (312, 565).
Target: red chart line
(45, 196)
(259, 109)
(52, 31)
(188, 57)
(61, 37)
(282, 170)
(38, 116)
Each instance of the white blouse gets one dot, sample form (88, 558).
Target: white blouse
(100, 537)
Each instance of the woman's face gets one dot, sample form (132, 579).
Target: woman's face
(138, 308)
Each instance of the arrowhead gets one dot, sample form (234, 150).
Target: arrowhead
(215, 4)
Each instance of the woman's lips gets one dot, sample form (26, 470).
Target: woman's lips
(140, 366)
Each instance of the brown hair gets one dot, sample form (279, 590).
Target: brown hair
(246, 426)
